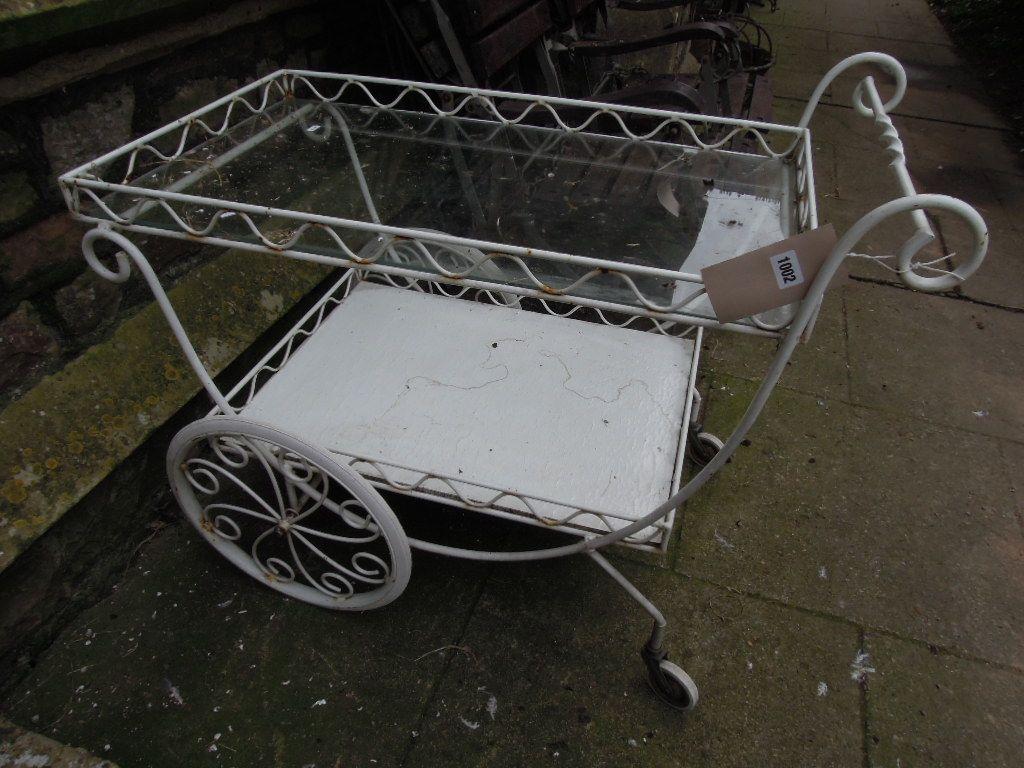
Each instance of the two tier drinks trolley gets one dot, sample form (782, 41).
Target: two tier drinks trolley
(517, 323)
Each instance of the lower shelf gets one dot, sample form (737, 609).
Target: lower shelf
(573, 424)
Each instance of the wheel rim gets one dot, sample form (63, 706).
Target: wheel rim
(676, 687)
(288, 514)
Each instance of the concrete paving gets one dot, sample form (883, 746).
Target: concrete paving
(847, 592)
(187, 664)
(887, 521)
(931, 708)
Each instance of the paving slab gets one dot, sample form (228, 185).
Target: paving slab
(1013, 460)
(999, 198)
(793, 41)
(859, 17)
(842, 42)
(997, 192)
(934, 709)
(800, 15)
(983, 148)
(191, 662)
(833, 124)
(864, 24)
(886, 521)
(935, 358)
(941, 86)
(931, 123)
(551, 674)
(1000, 279)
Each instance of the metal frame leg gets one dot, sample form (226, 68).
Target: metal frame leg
(658, 634)
(667, 679)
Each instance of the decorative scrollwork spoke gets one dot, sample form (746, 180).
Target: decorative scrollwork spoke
(293, 521)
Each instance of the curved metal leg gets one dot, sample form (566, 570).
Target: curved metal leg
(128, 255)
(667, 679)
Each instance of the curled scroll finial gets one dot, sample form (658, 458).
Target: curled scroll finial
(882, 60)
(945, 279)
(128, 249)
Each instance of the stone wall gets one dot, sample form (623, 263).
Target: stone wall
(64, 109)
(92, 383)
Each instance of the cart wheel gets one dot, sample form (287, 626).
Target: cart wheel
(288, 514)
(702, 447)
(673, 685)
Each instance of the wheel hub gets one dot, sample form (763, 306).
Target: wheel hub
(285, 523)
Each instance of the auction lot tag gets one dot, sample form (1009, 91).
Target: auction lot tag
(769, 277)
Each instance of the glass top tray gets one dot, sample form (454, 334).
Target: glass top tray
(324, 166)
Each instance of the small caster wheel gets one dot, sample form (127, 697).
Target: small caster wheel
(668, 679)
(674, 686)
(702, 447)
(712, 443)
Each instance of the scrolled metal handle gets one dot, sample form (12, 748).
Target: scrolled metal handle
(883, 60)
(124, 267)
(920, 239)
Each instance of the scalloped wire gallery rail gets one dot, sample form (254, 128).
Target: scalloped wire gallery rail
(84, 189)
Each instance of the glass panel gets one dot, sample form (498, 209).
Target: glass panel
(661, 205)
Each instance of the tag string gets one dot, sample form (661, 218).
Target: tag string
(926, 266)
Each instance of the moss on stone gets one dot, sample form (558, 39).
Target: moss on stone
(21, 747)
(17, 197)
(30, 22)
(66, 434)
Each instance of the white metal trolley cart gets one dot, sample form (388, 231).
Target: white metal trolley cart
(518, 326)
